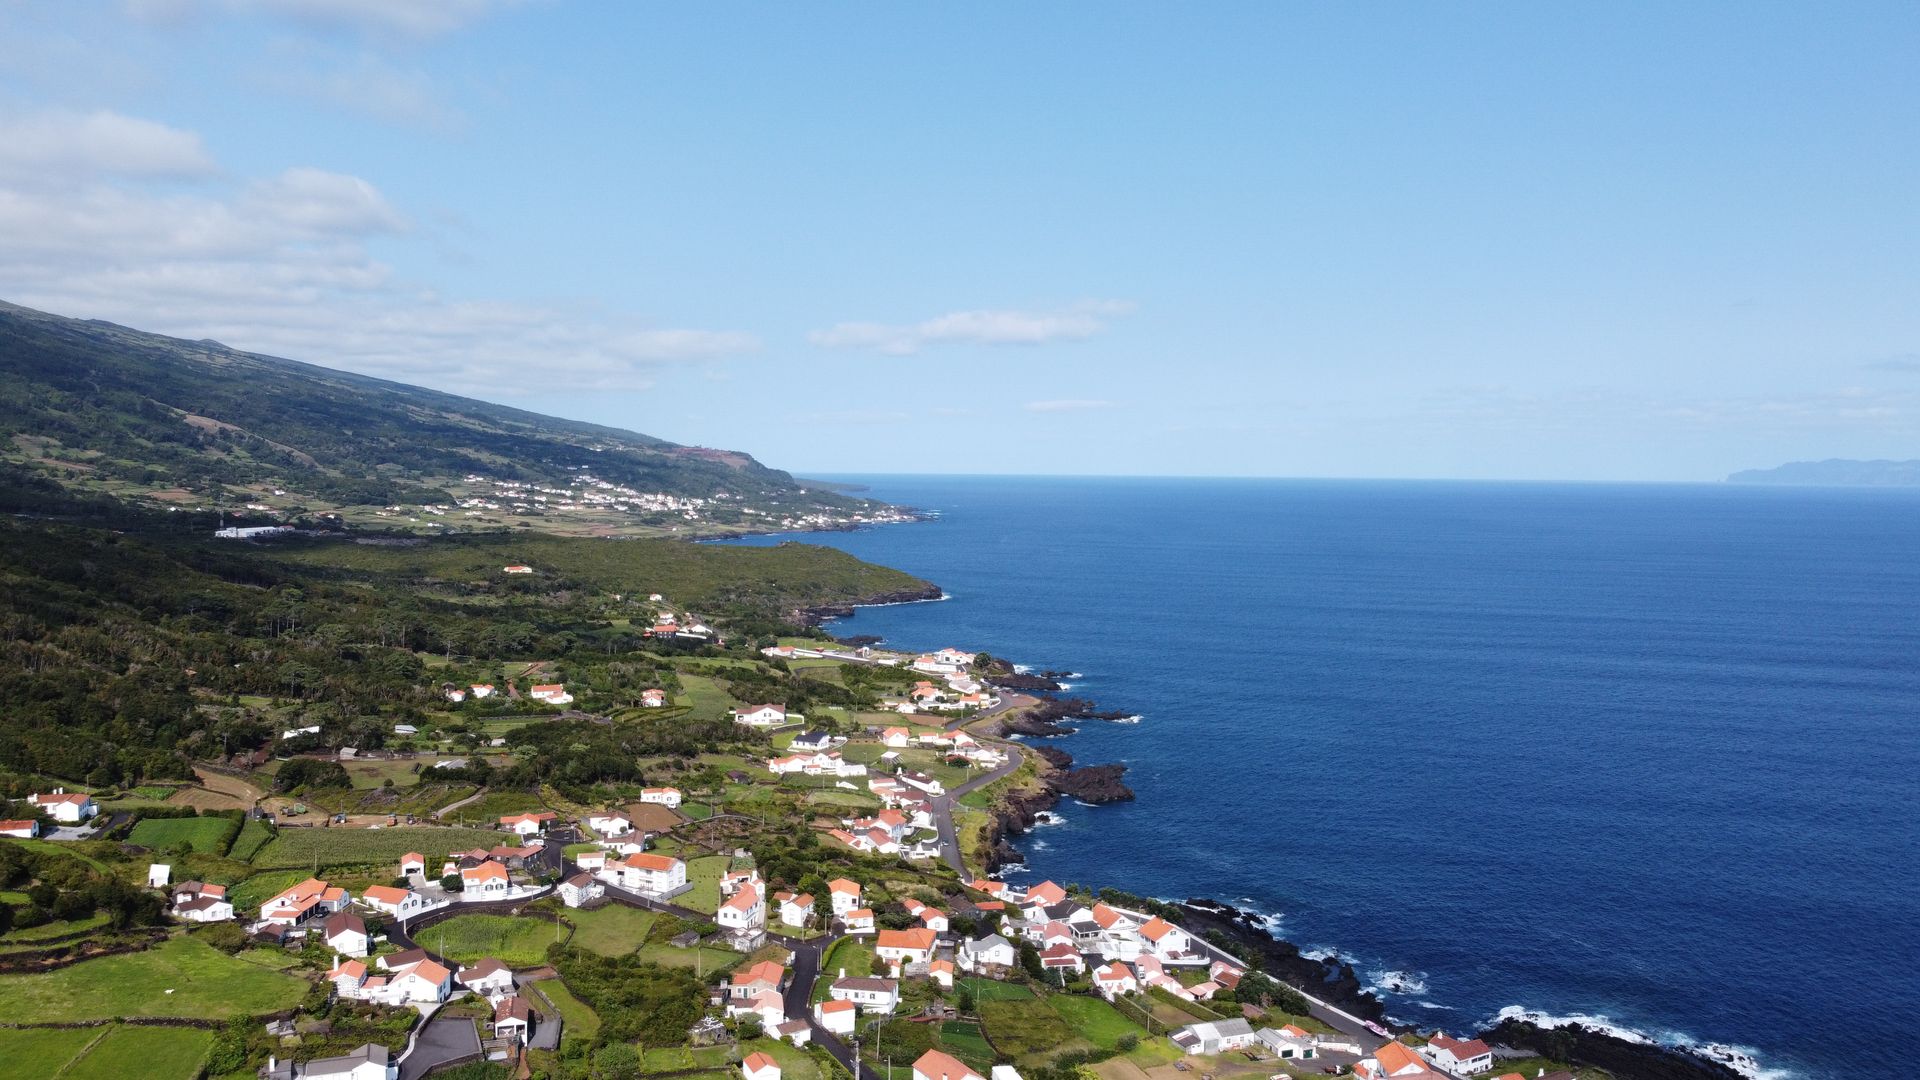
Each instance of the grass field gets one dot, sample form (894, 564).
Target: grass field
(357, 847)
(580, 1019)
(850, 954)
(990, 990)
(514, 941)
(704, 698)
(37, 1053)
(207, 835)
(704, 875)
(159, 1053)
(964, 1041)
(205, 983)
(54, 929)
(1021, 1030)
(1094, 1020)
(795, 1064)
(614, 930)
(254, 835)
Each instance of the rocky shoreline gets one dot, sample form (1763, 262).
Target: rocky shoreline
(1244, 932)
(814, 616)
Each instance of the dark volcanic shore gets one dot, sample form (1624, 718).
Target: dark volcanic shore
(814, 616)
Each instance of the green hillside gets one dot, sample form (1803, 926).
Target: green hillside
(108, 409)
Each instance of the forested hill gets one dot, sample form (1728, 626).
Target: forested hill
(195, 423)
(132, 643)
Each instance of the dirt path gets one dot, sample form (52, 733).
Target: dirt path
(451, 807)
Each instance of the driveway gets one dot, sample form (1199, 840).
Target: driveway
(444, 1039)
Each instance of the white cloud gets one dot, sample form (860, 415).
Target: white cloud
(364, 84)
(281, 265)
(1068, 405)
(983, 327)
(56, 146)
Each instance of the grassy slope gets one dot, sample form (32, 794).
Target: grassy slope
(204, 982)
(696, 575)
(360, 847)
(513, 941)
(158, 1053)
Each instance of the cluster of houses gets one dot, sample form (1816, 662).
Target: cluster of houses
(955, 744)
(63, 806)
(589, 493)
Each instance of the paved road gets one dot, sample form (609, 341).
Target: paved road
(943, 808)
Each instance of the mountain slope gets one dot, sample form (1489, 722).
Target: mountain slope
(1835, 472)
(141, 415)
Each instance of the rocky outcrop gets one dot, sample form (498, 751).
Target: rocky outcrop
(1583, 1045)
(814, 616)
(1013, 680)
(1093, 784)
(1330, 980)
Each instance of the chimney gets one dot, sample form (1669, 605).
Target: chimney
(843, 973)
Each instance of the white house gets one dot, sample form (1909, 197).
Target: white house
(371, 1062)
(65, 807)
(758, 1066)
(20, 830)
(412, 863)
(653, 699)
(580, 890)
(528, 824)
(647, 872)
(922, 781)
(1393, 1059)
(760, 715)
(836, 1017)
(844, 894)
(744, 910)
(818, 764)
(593, 862)
(309, 899)
(1165, 939)
(488, 977)
(811, 741)
(897, 738)
(1289, 1043)
(551, 693)
(858, 921)
(1114, 980)
(345, 933)
(986, 954)
(913, 946)
(662, 796)
(204, 908)
(397, 902)
(1459, 1056)
(610, 823)
(513, 1020)
(868, 994)
(487, 881)
(1214, 1037)
(935, 1065)
(795, 910)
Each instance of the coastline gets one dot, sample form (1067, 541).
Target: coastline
(1592, 1041)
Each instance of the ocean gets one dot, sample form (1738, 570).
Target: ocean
(1647, 755)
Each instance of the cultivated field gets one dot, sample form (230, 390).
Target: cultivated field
(360, 847)
(182, 977)
(207, 835)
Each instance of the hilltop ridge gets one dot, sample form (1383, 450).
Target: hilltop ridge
(195, 424)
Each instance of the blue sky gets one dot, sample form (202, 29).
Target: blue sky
(1577, 241)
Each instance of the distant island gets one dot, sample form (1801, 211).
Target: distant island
(1835, 472)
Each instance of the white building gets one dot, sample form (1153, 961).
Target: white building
(760, 715)
(581, 889)
(65, 807)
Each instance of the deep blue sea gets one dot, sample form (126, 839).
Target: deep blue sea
(1642, 752)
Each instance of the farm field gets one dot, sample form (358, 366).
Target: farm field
(207, 835)
(254, 835)
(994, 990)
(1023, 1031)
(577, 1016)
(37, 1053)
(614, 930)
(355, 847)
(1095, 1020)
(152, 1053)
(704, 875)
(514, 941)
(205, 983)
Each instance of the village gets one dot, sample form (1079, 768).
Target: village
(801, 897)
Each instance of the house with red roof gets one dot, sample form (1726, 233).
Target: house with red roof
(1459, 1056)
(1393, 1060)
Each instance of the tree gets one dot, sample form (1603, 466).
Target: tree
(616, 1061)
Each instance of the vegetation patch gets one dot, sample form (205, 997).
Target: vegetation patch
(361, 847)
(577, 1016)
(152, 1053)
(210, 836)
(37, 1053)
(1095, 1020)
(517, 941)
(203, 983)
(1021, 1030)
(613, 930)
